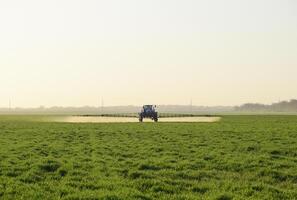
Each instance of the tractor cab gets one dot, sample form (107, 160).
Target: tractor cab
(148, 108)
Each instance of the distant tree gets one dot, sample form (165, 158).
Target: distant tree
(284, 106)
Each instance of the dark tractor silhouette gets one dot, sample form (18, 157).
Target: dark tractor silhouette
(148, 111)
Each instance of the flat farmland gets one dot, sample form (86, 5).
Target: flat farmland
(238, 157)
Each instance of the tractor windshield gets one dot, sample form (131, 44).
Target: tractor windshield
(149, 108)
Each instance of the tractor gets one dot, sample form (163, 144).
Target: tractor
(148, 111)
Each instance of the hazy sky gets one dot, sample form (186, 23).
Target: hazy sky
(72, 53)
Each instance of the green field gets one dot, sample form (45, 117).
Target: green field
(240, 157)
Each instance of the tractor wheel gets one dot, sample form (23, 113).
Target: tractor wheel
(155, 118)
(140, 119)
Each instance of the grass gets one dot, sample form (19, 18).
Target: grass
(241, 157)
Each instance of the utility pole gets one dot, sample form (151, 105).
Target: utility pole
(9, 104)
(191, 106)
(102, 105)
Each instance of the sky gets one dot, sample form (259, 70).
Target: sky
(134, 52)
